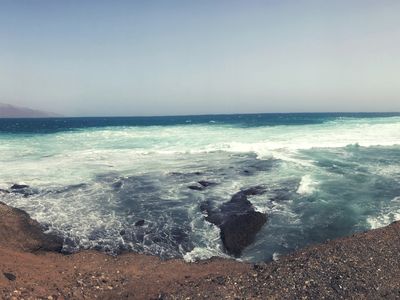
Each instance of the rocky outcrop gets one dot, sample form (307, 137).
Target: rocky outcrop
(21, 189)
(240, 230)
(201, 185)
(18, 231)
(237, 220)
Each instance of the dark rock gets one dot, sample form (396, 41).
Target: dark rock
(202, 185)
(23, 189)
(239, 231)
(205, 183)
(122, 232)
(237, 220)
(184, 175)
(4, 191)
(255, 190)
(10, 276)
(196, 187)
(19, 186)
(139, 223)
(117, 185)
(213, 214)
(19, 231)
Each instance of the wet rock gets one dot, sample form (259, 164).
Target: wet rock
(205, 183)
(196, 187)
(139, 223)
(254, 166)
(10, 276)
(213, 214)
(117, 185)
(19, 186)
(239, 231)
(19, 231)
(237, 220)
(185, 175)
(238, 204)
(23, 189)
(255, 190)
(202, 184)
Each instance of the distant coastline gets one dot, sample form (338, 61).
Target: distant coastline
(12, 111)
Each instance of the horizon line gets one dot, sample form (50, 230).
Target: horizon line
(210, 114)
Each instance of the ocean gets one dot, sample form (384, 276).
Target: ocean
(122, 184)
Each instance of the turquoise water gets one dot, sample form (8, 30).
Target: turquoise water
(92, 179)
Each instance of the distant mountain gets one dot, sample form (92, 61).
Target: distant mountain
(11, 111)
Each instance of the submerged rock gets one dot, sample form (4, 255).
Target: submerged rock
(117, 185)
(196, 187)
(139, 223)
(206, 183)
(282, 194)
(19, 231)
(23, 189)
(201, 185)
(237, 219)
(69, 188)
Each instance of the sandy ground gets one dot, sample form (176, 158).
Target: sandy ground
(366, 265)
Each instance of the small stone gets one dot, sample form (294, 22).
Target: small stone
(10, 276)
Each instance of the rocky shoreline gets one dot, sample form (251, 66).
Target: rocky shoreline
(365, 265)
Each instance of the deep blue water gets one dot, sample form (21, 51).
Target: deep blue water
(52, 125)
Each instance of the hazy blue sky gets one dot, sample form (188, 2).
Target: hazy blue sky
(193, 57)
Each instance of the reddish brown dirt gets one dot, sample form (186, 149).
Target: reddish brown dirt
(366, 265)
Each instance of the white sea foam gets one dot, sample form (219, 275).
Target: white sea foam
(387, 216)
(307, 185)
(275, 256)
(53, 161)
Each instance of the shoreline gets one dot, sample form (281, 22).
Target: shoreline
(363, 265)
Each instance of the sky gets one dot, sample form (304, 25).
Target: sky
(108, 58)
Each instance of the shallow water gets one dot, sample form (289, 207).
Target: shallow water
(92, 179)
